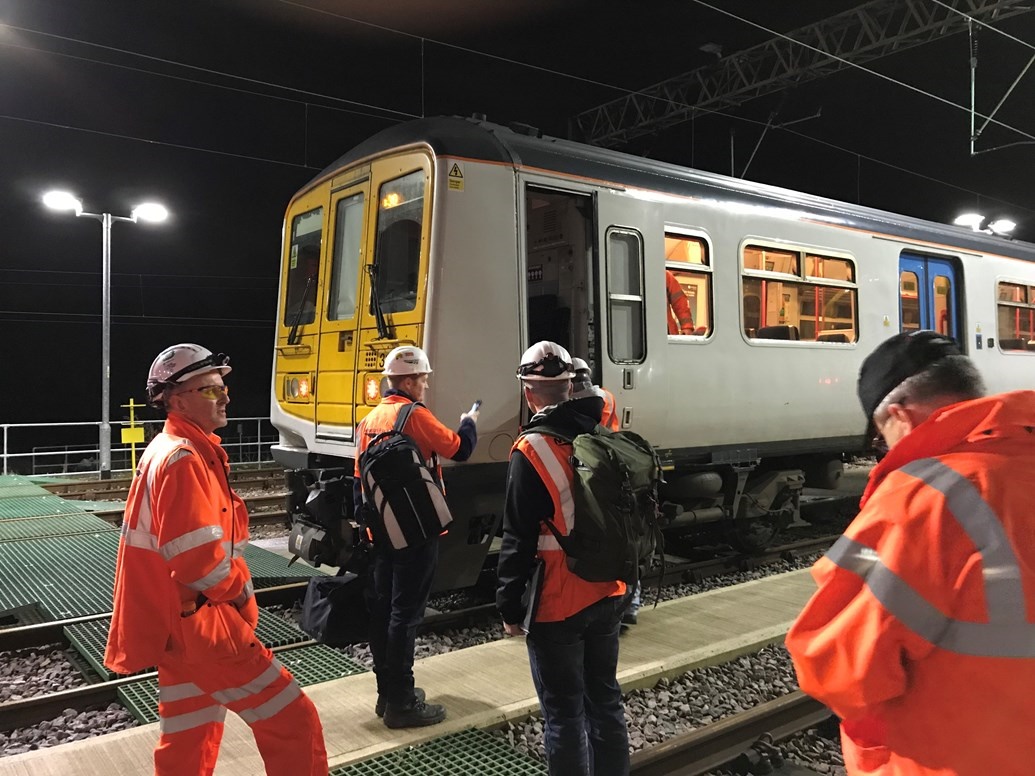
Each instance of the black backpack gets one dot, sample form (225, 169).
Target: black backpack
(615, 490)
(404, 505)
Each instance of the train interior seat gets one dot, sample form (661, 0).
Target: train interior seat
(836, 336)
(783, 332)
(1011, 344)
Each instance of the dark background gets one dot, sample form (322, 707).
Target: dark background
(222, 109)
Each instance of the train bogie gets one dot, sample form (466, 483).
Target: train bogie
(729, 319)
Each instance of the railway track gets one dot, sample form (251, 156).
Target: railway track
(117, 489)
(722, 742)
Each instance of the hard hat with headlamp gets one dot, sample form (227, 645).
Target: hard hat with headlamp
(545, 361)
(178, 364)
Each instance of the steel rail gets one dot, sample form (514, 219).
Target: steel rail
(713, 746)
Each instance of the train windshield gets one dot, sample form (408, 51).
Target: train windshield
(303, 268)
(400, 218)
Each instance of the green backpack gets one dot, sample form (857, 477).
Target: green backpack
(615, 491)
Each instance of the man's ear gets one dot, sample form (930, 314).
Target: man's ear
(901, 413)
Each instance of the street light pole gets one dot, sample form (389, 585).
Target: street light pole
(60, 200)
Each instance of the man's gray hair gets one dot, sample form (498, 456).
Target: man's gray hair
(954, 378)
(549, 392)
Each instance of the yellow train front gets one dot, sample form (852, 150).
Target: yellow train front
(474, 240)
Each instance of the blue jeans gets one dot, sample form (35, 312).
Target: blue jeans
(396, 596)
(573, 664)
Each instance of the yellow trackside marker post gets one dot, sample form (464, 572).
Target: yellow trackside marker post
(134, 435)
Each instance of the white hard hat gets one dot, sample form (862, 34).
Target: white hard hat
(545, 361)
(579, 365)
(179, 363)
(407, 360)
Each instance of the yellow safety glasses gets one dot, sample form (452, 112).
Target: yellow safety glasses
(213, 392)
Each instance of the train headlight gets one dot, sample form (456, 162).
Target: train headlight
(372, 389)
(297, 388)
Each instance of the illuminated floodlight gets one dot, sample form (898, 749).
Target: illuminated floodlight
(62, 200)
(1002, 226)
(150, 211)
(972, 220)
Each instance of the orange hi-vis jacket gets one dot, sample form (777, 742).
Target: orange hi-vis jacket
(428, 433)
(563, 593)
(679, 319)
(609, 416)
(183, 536)
(921, 636)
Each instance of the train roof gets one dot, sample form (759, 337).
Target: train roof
(520, 145)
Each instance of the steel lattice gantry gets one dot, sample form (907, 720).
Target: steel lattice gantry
(862, 34)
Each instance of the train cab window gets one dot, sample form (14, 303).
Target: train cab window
(400, 218)
(625, 333)
(1016, 317)
(909, 300)
(688, 285)
(799, 295)
(348, 239)
(303, 268)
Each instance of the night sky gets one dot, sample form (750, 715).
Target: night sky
(222, 109)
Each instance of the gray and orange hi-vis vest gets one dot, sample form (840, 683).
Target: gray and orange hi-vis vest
(563, 593)
(921, 636)
(183, 539)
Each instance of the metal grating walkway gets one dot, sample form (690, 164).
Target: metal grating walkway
(467, 753)
(13, 507)
(37, 527)
(89, 638)
(310, 665)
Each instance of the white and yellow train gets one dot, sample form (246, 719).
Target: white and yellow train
(473, 240)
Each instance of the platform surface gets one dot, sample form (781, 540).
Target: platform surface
(480, 686)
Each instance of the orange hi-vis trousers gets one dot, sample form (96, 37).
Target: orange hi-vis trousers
(192, 702)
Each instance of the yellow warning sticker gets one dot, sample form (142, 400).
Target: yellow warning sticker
(456, 178)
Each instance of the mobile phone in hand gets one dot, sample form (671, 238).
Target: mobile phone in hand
(475, 407)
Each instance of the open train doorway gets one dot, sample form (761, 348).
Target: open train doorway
(560, 278)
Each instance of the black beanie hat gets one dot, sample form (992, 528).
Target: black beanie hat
(896, 360)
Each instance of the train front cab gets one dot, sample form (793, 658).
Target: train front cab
(353, 286)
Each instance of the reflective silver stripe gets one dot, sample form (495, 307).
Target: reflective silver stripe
(240, 547)
(134, 537)
(256, 685)
(180, 722)
(246, 593)
(547, 541)
(912, 610)
(190, 540)
(178, 692)
(273, 706)
(555, 470)
(1002, 574)
(214, 577)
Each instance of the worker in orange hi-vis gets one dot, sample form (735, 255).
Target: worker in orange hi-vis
(921, 636)
(680, 321)
(183, 594)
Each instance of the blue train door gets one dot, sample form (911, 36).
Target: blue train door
(928, 295)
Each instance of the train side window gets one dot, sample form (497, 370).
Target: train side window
(303, 268)
(348, 239)
(799, 295)
(625, 331)
(942, 287)
(909, 300)
(1016, 317)
(400, 218)
(688, 285)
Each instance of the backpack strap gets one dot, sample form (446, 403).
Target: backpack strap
(404, 415)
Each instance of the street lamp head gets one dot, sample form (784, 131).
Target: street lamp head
(62, 200)
(150, 211)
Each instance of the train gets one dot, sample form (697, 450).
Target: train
(474, 240)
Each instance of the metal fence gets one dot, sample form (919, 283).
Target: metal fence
(74, 448)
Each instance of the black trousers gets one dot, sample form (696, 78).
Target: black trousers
(396, 597)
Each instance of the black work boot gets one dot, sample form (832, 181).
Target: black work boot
(417, 713)
(379, 709)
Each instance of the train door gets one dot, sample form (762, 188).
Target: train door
(338, 346)
(928, 295)
(560, 276)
